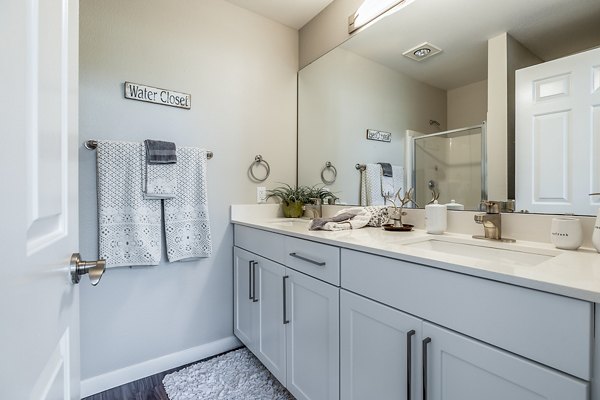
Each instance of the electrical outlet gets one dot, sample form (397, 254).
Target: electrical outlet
(261, 194)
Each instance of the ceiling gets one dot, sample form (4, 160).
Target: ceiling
(548, 28)
(293, 13)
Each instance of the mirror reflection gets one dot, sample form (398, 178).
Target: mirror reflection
(370, 83)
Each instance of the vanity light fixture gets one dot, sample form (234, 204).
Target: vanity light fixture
(422, 51)
(370, 10)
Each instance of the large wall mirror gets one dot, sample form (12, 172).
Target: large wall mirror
(447, 120)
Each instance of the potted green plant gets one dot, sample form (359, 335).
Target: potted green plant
(292, 199)
(321, 193)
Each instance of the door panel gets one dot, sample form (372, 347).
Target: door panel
(271, 335)
(373, 353)
(245, 312)
(39, 339)
(460, 368)
(312, 338)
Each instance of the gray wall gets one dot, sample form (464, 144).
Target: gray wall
(241, 71)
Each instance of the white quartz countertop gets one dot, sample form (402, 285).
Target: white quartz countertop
(569, 273)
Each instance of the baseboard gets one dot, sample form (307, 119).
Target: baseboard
(134, 372)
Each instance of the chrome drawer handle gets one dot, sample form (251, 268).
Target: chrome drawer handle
(319, 263)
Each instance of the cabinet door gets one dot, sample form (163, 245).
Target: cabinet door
(460, 368)
(312, 338)
(245, 311)
(271, 329)
(379, 350)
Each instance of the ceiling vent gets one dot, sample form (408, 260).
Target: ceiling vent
(422, 51)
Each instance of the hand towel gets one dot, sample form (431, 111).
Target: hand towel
(159, 181)
(187, 227)
(386, 169)
(159, 152)
(348, 218)
(387, 186)
(372, 192)
(129, 226)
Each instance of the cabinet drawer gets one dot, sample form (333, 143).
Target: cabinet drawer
(315, 259)
(550, 329)
(266, 244)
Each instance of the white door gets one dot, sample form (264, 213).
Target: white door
(312, 338)
(557, 140)
(245, 315)
(378, 351)
(271, 328)
(39, 329)
(460, 368)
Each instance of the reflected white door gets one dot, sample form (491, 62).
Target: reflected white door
(39, 329)
(558, 135)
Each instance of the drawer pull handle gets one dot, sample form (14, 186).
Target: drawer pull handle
(319, 263)
(285, 320)
(409, 336)
(254, 298)
(250, 264)
(426, 341)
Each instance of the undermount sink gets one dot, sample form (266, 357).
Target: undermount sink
(483, 251)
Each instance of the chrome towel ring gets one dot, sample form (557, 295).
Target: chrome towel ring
(328, 166)
(257, 161)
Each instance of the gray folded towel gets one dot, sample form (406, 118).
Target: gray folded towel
(387, 169)
(159, 152)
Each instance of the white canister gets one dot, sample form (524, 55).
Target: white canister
(453, 205)
(436, 218)
(596, 233)
(566, 233)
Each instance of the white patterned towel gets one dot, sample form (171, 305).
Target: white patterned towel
(129, 226)
(186, 215)
(159, 181)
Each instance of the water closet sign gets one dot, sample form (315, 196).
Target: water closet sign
(135, 91)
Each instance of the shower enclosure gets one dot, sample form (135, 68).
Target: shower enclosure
(450, 165)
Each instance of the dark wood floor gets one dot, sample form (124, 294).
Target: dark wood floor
(148, 388)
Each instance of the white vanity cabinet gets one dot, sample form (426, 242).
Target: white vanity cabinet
(334, 323)
(285, 316)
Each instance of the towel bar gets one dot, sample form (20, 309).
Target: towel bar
(360, 167)
(92, 144)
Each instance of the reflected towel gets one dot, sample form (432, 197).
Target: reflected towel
(370, 188)
(129, 226)
(187, 228)
(398, 179)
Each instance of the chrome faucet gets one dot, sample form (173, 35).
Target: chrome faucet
(491, 221)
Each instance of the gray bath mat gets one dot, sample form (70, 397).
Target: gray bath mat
(236, 375)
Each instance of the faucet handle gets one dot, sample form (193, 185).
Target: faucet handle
(491, 206)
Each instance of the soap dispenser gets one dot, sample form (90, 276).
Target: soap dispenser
(435, 218)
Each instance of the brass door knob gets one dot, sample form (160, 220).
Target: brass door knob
(94, 269)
